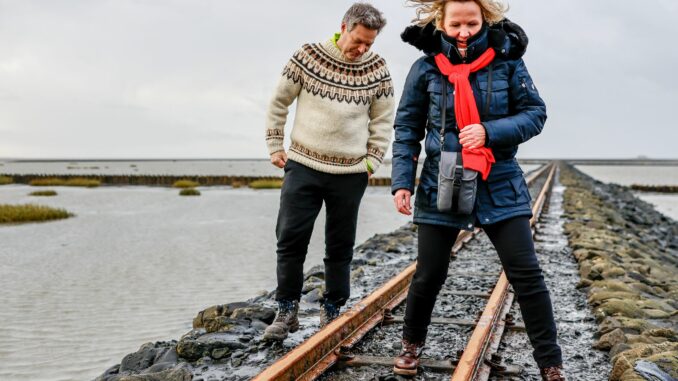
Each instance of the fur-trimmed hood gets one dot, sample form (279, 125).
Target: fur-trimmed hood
(506, 37)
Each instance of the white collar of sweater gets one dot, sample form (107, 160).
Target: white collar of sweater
(334, 51)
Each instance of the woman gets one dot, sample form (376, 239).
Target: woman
(492, 101)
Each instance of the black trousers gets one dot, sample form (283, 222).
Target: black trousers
(303, 192)
(512, 239)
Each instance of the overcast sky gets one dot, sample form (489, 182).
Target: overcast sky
(192, 78)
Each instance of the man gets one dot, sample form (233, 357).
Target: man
(341, 132)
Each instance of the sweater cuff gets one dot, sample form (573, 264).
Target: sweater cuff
(374, 156)
(274, 141)
(274, 147)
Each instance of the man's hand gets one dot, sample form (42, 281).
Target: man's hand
(472, 136)
(402, 201)
(279, 159)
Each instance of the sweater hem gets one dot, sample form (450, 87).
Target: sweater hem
(359, 167)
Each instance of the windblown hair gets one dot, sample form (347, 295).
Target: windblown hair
(366, 15)
(432, 10)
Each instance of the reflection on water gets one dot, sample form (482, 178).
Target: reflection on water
(135, 265)
(632, 174)
(667, 204)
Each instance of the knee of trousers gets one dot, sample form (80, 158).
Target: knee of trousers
(338, 256)
(428, 285)
(525, 285)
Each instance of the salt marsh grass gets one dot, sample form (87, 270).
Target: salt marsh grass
(189, 192)
(46, 193)
(76, 182)
(266, 184)
(185, 184)
(4, 180)
(30, 213)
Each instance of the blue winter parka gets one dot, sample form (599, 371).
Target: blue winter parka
(511, 111)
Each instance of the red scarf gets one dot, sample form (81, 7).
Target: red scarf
(465, 108)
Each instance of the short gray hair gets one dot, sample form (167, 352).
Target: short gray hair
(366, 15)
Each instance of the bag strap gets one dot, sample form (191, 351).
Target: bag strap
(443, 110)
(488, 100)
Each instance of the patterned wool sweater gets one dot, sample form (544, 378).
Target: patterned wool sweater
(344, 112)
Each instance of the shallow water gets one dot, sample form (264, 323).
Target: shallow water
(165, 167)
(154, 167)
(135, 265)
(632, 174)
(665, 203)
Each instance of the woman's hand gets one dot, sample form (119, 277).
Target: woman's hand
(402, 201)
(472, 136)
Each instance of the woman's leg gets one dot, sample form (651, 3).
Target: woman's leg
(513, 240)
(435, 244)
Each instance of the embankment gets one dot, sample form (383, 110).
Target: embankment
(628, 262)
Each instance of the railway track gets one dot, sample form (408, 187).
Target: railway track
(333, 346)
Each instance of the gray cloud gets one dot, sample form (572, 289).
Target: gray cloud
(169, 78)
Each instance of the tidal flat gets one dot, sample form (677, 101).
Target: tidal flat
(135, 265)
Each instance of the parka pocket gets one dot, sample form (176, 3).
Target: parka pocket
(498, 97)
(435, 93)
(509, 192)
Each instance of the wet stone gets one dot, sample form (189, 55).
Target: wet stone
(631, 283)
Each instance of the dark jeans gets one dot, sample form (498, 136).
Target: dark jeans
(512, 239)
(302, 195)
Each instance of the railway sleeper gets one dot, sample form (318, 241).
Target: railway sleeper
(441, 366)
(399, 319)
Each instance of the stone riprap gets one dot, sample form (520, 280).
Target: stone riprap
(628, 262)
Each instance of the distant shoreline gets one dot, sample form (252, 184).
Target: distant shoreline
(583, 161)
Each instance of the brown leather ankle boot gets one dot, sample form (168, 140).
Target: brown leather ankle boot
(407, 362)
(553, 373)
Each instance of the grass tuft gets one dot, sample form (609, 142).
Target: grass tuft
(266, 184)
(185, 184)
(30, 213)
(46, 193)
(4, 180)
(189, 192)
(76, 182)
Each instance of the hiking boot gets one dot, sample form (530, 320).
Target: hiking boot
(407, 362)
(328, 312)
(285, 322)
(552, 373)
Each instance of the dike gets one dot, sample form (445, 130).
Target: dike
(628, 263)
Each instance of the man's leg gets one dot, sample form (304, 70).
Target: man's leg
(300, 203)
(342, 201)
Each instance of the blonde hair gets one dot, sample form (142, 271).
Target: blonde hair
(432, 10)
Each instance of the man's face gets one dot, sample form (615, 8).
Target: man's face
(357, 42)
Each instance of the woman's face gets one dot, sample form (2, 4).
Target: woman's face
(461, 20)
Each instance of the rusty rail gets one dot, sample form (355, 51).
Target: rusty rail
(473, 364)
(326, 347)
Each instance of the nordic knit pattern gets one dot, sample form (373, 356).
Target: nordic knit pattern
(344, 110)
